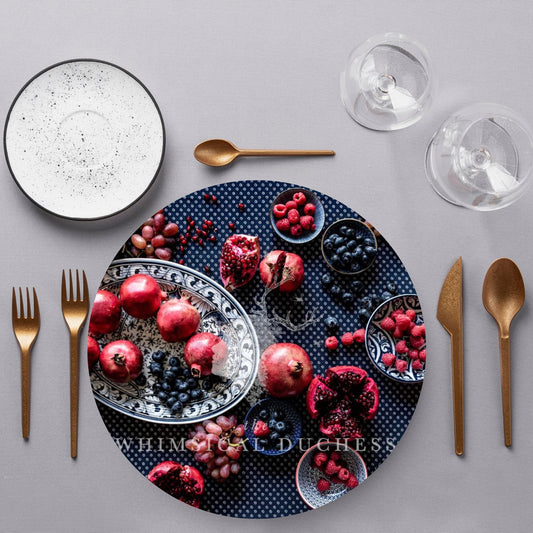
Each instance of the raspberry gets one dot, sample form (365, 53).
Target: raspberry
(299, 198)
(335, 455)
(401, 347)
(388, 359)
(320, 459)
(283, 225)
(261, 429)
(416, 342)
(422, 355)
(347, 339)
(401, 365)
(291, 204)
(411, 314)
(388, 324)
(352, 482)
(403, 322)
(293, 216)
(359, 336)
(419, 331)
(279, 210)
(323, 485)
(397, 334)
(344, 474)
(296, 230)
(309, 209)
(306, 222)
(331, 468)
(418, 365)
(394, 314)
(332, 343)
(413, 354)
(313, 227)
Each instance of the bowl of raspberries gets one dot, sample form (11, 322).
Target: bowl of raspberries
(327, 471)
(349, 246)
(273, 426)
(395, 339)
(297, 216)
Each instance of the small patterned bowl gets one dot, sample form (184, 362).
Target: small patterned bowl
(290, 415)
(307, 475)
(311, 198)
(361, 232)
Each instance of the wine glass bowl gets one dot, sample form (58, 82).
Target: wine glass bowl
(386, 83)
(481, 157)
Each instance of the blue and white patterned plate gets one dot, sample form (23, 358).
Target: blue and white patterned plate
(221, 314)
(307, 475)
(379, 342)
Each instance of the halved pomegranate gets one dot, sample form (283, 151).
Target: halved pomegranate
(184, 482)
(343, 399)
(239, 260)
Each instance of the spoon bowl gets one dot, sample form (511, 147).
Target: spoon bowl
(219, 152)
(503, 296)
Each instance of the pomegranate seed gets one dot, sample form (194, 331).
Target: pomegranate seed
(214, 199)
(241, 207)
(200, 242)
(209, 223)
(207, 269)
(204, 226)
(212, 238)
(182, 249)
(198, 231)
(188, 219)
(207, 197)
(231, 226)
(181, 261)
(192, 223)
(195, 238)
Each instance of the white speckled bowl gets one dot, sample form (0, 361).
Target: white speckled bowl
(84, 139)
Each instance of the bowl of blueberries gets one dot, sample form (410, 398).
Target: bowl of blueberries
(273, 426)
(349, 246)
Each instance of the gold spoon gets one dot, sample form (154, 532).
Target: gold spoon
(219, 152)
(503, 297)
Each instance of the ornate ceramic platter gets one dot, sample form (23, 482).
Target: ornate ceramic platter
(221, 314)
(84, 139)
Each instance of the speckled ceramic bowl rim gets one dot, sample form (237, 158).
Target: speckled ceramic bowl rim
(344, 272)
(328, 444)
(83, 60)
(310, 236)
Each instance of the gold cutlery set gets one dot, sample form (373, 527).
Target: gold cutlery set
(26, 324)
(503, 295)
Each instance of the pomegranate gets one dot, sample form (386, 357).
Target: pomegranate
(184, 482)
(285, 370)
(141, 296)
(282, 269)
(105, 314)
(342, 401)
(239, 260)
(121, 361)
(93, 351)
(177, 319)
(205, 354)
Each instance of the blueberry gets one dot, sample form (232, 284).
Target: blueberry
(369, 242)
(365, 260)
(376, 300)
(186, 373)
(386, 295)
(350, 232)
(343, 230)
(173, 394)
(327, 280)
(174, 361)
(355, 266)
(392, 287)
(358, 253)
(363, 315)
(335, 260)
(156, 369)
(370, 251)
(207, 384)
(158, 357)
(331, 323)
(366, 302)
(328, 245)
(346, 258)
(281, 428)
(333, 237)
(170, 401)
(351, 245)
(192, 382)
(183, 397)
(165, 386)
(162, 396)
(176, 407)
(272, 423)
(339, 241)
(347, 298)
(360, 239)
(140, 380)
(169, 375)
(357, 287)
(182, 386)
(196, 394)
(341, 250)
(176, 370)
(263, 415)
(157, 388)
(335, 291)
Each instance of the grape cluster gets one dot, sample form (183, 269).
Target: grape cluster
(156, 237)
(218, 444)
(175, 386)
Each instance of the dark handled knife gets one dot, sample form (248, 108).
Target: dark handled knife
(450, 315)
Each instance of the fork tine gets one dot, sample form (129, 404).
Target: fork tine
(22, 315)
(63, 288)
(14, 311)
(70, 289)
(28, 303)
(36, 313)
(78, 295)
(85, 287)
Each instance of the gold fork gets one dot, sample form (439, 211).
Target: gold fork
(75, 307)
(26, 327)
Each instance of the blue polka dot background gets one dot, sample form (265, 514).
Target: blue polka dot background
(266, 486)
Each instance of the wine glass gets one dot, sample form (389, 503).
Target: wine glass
(481, 157)
(387, 84)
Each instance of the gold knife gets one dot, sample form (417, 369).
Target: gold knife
(450, 315)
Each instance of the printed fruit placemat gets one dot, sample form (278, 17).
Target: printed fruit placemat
(230, 363)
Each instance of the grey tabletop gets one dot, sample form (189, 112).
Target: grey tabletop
(267, 75)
